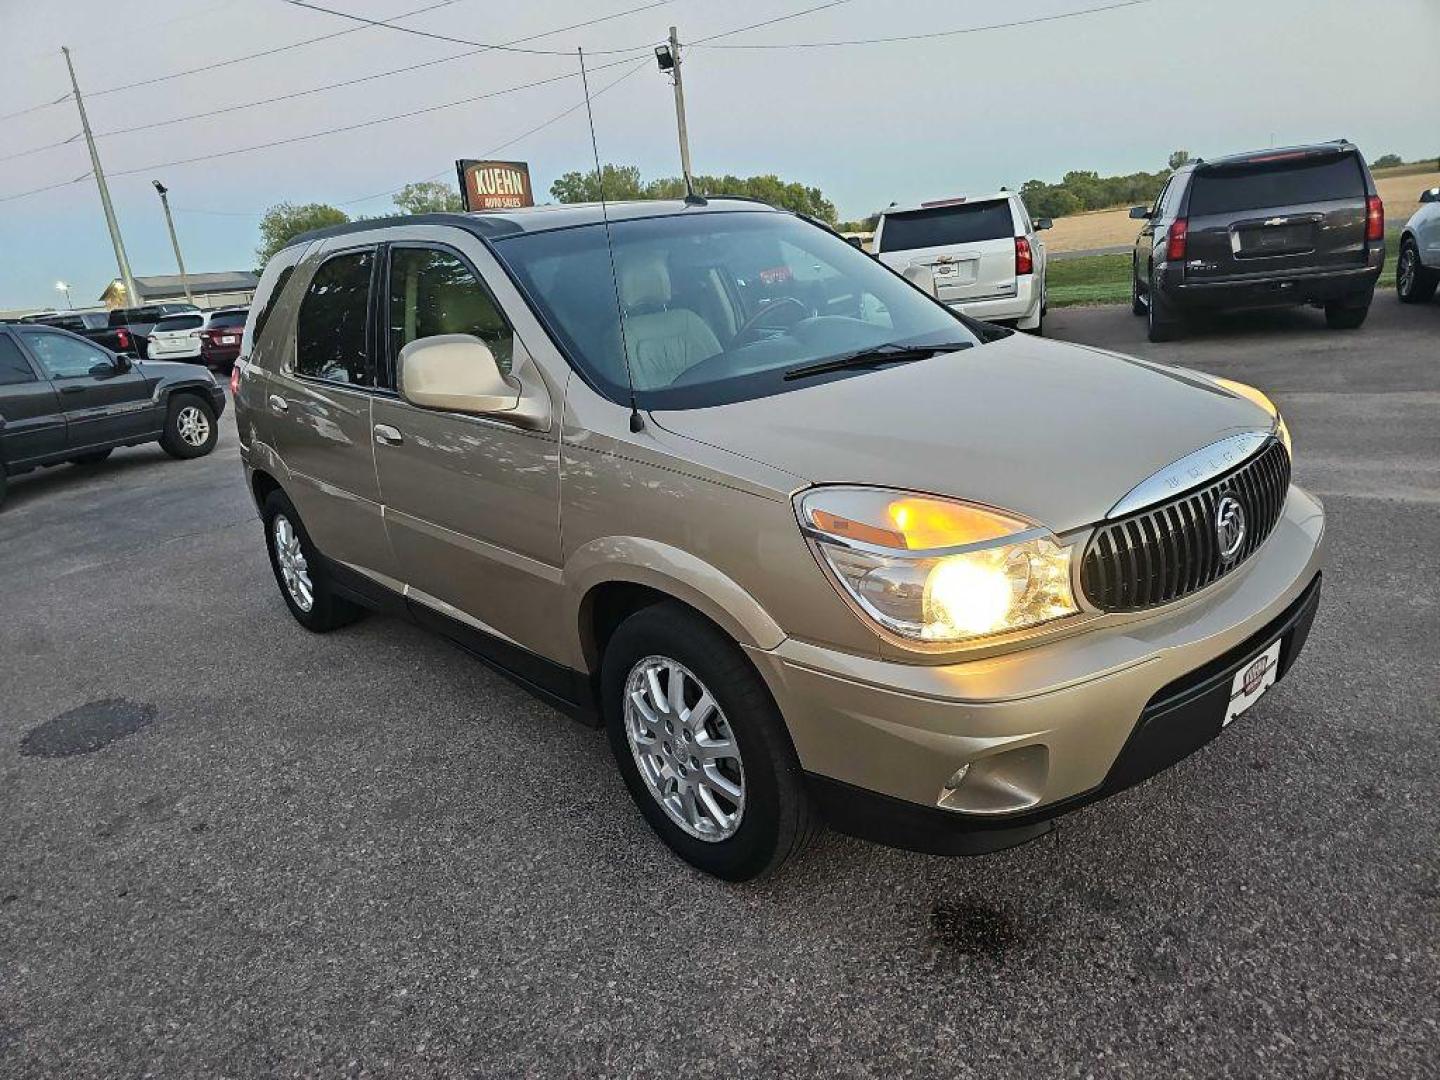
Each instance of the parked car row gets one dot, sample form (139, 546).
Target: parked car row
(170, 331)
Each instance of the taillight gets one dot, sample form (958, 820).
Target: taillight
(1374, 218)
(123, 337)
(235, 380)
(1175, 243)
(1024, 258)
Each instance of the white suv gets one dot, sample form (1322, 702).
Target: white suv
(177, 337)
(983, 251)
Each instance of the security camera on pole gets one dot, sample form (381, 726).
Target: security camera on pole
(164, 194)
(668, 57)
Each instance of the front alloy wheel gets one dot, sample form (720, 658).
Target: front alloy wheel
(684, 748)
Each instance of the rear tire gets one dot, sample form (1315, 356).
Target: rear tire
(92, 458)
(776, 817)
(301, 571)
(1413, 283)
(3, 485)
(190, 427)
(1137, 305)
(1348, 314)
(1160, 324)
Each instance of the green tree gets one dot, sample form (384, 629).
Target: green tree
(285, 221)
(1178, 158)
(1386, 161)
(621, 182)
(428, 197)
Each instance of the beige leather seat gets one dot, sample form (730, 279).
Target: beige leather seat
(663, 341)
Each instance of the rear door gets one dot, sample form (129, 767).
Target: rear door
(1291, 213)
(102, 403)
(318, 403)
(32, 427)
(968, 246)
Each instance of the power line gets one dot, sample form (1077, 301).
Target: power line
(934, 34)
(35, 108)
(446, 37)
(354, 82)
(769, 22)
(37, 149)
(48, 187)
(351, 127)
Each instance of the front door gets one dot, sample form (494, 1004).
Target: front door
(32, 427)
(472, 504)
(319, 406)
(105, 401)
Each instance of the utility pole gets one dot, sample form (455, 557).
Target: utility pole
(121, 260)
(669, 59)
(174, 240)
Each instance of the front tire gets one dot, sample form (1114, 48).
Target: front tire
(300, 570)
(1348, 314)
(1413, 283)
(701, 745)
(190, 427)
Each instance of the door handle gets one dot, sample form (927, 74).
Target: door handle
(72, 389)
(388, 435)
(278, 403)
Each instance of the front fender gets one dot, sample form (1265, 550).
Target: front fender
(674, 572)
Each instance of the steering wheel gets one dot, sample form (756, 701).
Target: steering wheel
(758, 320)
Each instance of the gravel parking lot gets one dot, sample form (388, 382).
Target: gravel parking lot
(228, 847)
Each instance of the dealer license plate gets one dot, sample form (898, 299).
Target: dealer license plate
(1252, 681)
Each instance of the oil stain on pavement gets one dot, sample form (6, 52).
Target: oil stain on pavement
(84, 730)
(973, 928)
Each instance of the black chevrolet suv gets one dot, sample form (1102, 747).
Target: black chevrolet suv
(64, 398)
(1271, 228)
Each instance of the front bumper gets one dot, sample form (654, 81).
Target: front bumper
(1045, 729)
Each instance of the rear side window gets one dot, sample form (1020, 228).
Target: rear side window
(180, 322)
(14, 368)
(1256, 187)
(227, 319)
(268, 293)
(434, 292)
(940, 226)
(331, 330)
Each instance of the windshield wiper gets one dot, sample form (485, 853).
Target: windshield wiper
(881, 354)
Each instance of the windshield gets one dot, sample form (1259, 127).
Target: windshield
(941, 226)
(717, 306)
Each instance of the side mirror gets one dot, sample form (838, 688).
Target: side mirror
(122, 364)
(1430, 195)
(855, 241)
(1043, 223)
(922, 278)
(1140, 213)
(456, 373)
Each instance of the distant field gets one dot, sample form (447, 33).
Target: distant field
(1399, 187)
(1105, 279)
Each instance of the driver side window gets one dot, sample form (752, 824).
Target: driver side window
(66, 357)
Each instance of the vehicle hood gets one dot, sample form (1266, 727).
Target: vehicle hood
(1053, 431)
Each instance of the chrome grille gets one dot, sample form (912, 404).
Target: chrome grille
(1171, 550)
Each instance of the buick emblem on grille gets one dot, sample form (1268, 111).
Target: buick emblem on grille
(1229, 526)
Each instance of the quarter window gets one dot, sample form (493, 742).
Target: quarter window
(66, 357)
(331, 330)
(14, 368)
(434, 292)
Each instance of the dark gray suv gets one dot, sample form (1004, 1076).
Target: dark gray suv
(1270, 228)
(64, 398)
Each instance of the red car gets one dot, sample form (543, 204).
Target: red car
(220, 340)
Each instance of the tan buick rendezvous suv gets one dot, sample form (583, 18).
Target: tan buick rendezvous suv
(809, 545)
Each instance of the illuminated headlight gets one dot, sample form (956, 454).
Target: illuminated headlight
(936, 571)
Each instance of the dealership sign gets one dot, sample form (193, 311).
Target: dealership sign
(495, 185)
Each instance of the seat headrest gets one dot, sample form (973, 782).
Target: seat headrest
(644, 281)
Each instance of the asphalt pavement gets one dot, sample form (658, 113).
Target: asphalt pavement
(231, 848)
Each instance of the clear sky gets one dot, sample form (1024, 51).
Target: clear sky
(1113, 91)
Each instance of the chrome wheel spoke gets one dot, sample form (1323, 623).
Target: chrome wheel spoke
(294, 570)
(686, 753)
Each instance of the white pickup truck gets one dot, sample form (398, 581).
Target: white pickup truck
(983, 251)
